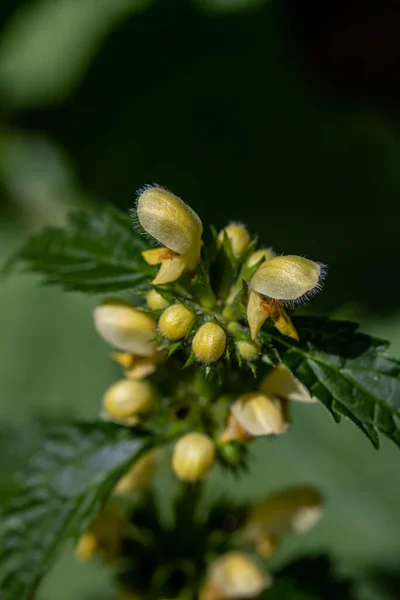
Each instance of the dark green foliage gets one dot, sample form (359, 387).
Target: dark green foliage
(309, 578)
(97, 252)
(61, 489)
(350, 372)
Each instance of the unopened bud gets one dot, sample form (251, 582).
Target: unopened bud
(193, 456)
(258, 255)
(176, 321)
(287, 278)
(237, 575)
(282, 383)
(86, 546)
(293, 510)
(238, 236)
(209, 342)
(126, 328)
(155, 301)
(247, 350)
(103, 535)
(259, 415)
(128, 398)
(138, 476)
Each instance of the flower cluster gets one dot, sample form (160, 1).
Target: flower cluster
(238, 572)
(194, 358)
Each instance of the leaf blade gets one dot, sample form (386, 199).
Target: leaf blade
(96, 252)
(63, 487)
(350, 372)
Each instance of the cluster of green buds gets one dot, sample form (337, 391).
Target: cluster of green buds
(192, 352)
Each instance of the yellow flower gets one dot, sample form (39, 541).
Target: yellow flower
(259, 414)
(138, 476)
(175, 225)
(280, 382)
(125, 327)
(235, 575)
(279, 280)
(137, 367)
(209, 342)
(295, 509)
(103, 535)
(193, 456)
(287, 278)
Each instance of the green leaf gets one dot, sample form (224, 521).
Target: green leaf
(350, 372)
(96, 252)
(309, 578)
(62, 488)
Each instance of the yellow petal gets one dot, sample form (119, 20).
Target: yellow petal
(169, 220)
(259, 415)
(256, 315)
(170, 270)
(282, 383)
(86, 546)
(155, 256)
(294, 509)
(287, 277)
(238, 575)
(281, 319)
(138, 476)
(234, 431)
(125, 327)
(143, 367)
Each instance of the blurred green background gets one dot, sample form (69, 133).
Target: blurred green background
(281, 114)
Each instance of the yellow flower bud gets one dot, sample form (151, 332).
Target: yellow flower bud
(209, 342)
(103, 535)
(287, 278)
(155, 301)
(193, 456)
(255, 258)
(175, 225)
(128, 398)
(176, 321)
(237, 575)
(138, 476)
(247, 350)
(125, 327)
(238, 236)
(259, 415)
(293, 510)
(282, 383)
(86, 546)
